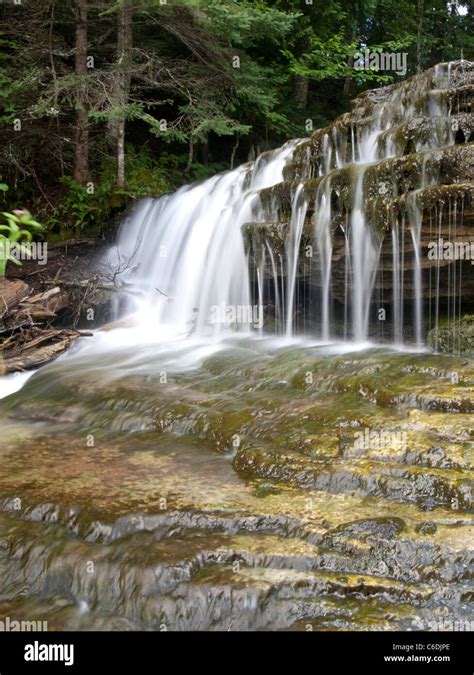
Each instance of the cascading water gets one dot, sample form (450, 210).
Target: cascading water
(186, 251)
(322, 235)
(298, 214)
(374, 171)
(397, 296)
(189, 254)
(364, 262)
(415, 229)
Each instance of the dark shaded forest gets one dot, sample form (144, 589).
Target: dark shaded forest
(103, 101)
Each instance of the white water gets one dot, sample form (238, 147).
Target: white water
(189, 249)
(298, 215)
(396, 282)
(415, 229)
(365, 255)
(322, 236)
(9, 384)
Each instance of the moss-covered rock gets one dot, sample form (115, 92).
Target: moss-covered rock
(456, 338)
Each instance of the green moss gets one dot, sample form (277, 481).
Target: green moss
(456, 338)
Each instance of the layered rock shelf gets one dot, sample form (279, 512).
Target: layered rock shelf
(403, 157)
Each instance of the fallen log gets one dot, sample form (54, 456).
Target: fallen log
(35, 313)
(44, 296)
(11, 293)
(44, 305)
(19, 326)
(32, 355)
(85, 283)
(68, 243)
(35, 358)
(45, 336)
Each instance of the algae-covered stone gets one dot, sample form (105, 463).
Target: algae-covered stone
(457, 338)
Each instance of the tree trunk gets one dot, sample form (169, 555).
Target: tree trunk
(419, 35)
(234, 151)
(124, 48)
(300, 91)
(300, 82)
(451, 33)
(438, 30)
(190, 154)
(350, 61)
(81, 155)
(204, 151)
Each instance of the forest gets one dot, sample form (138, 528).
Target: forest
(103, 101)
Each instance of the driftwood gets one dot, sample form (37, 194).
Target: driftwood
(40, 297)
(11, 293)
(68, 243)
(120, 323)
(35, 352)
(27, 339)
(38, 301)
(42, 306)
(11, 329)
(35, 358)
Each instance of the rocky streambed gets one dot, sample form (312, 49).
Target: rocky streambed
(252, 485)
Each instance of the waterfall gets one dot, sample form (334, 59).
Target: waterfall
(298, 215)
(355, 187)
(261, 285)
(365, 254)
(276, 290)
(397, 288)
(415, 229)
(186, 250)
(322, 236)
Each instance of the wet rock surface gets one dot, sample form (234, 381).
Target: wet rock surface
(408, 150)
(242, 493)
(457, 338)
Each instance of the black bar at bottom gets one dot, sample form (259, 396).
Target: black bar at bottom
(322, 652)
